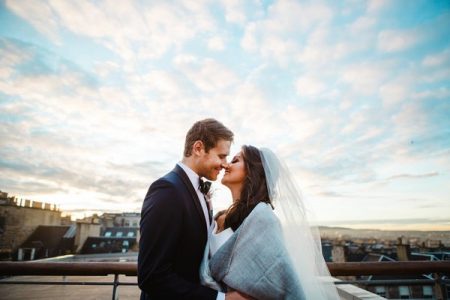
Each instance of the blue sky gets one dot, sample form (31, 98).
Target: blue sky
(96, 97)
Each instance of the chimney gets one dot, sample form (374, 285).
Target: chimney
(85, 230)
(338, 253)
(403, 251)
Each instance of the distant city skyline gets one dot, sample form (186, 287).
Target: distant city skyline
(96, 98)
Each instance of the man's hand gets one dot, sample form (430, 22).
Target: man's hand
(235, 295)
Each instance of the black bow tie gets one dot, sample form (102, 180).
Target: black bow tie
(204, 186)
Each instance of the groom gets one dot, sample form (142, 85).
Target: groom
(175, 219)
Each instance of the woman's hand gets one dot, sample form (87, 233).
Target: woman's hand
(220, 220)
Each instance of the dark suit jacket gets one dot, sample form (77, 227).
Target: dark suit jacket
(173, 238)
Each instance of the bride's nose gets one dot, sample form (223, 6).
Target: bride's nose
(225, 166)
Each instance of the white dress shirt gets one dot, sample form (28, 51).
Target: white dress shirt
(194, 178)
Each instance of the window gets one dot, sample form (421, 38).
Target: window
(125, 246)
(427, 292)
(403, 292)
(119, 234)
(94, 246)
(130, 234)
(108, 233)
(380, 291)
(2, 224)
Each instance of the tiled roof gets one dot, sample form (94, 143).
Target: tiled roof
(47, 236)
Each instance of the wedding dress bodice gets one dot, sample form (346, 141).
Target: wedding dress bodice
(216, 240)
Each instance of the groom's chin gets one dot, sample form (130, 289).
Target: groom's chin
(212, 178)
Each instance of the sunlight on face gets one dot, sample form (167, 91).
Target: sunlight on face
(214, 159)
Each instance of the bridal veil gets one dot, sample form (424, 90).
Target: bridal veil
(302, 241)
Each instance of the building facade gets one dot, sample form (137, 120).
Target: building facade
(20, 218)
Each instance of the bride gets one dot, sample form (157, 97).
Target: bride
(262, 244)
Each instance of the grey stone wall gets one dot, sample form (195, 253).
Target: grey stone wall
(19, 222)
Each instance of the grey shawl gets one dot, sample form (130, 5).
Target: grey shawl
(254, 260)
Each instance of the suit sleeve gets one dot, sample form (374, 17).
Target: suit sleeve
(160, 232)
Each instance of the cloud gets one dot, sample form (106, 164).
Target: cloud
(207, 74)
(370, 133)
(66, 132)
(216, 43)
(437, 59)
(375, 6)
(326, 46)
(332, 194)
(405, 221)
(234, 11)
(358, 121)
(308, 86)
(127, 28)
(12, 53)
(410, 122)
(163, 82)
(365, 78)
(397, 40)
(413, 176)
(290, 13)
(106, 68)
(40, 14)
(429, 32)
(362, 25)
(395, 92)
(441, 93)
(276, 36)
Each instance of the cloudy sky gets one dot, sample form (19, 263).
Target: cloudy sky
(96, 98)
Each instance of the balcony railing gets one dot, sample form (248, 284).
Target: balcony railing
(130, 269)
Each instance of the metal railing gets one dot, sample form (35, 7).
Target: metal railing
(439, 271)
(69, 269)
(438, 268)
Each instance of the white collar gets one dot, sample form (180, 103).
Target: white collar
(193, 177)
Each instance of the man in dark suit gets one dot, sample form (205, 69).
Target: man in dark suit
(176, 219)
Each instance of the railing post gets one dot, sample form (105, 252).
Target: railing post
(439, 287)
(115, 295)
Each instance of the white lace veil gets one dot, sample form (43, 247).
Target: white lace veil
(302, 241)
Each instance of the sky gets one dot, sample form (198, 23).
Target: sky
(96, 98)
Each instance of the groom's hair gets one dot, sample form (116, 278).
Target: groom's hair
(209, 131)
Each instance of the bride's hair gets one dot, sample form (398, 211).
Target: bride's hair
(254, 189)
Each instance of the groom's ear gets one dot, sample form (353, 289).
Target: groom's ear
(198, 147)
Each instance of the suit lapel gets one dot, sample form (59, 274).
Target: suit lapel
(180, 172)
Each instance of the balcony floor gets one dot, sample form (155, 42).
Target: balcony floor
(69, 292)
(90, 292)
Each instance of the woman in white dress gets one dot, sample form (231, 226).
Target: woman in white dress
(262, 244)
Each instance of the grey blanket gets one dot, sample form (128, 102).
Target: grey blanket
(254, 260)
